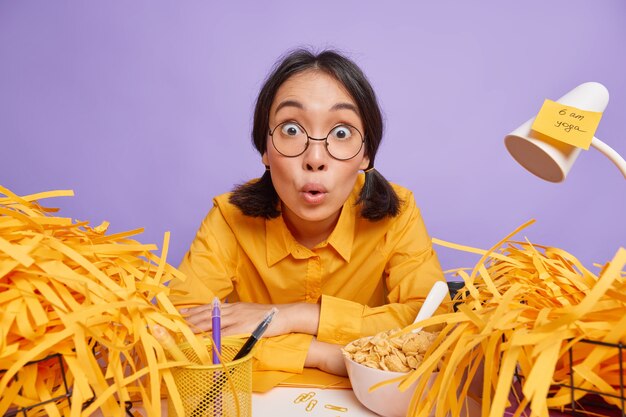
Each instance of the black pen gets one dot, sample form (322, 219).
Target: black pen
(256, 335)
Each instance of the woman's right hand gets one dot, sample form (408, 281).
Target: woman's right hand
(243, 318)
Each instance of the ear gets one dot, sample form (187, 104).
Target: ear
(364, 163)
(265, 159)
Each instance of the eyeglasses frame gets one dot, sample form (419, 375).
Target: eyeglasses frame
(310, 138)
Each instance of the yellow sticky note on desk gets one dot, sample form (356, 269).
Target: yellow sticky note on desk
(567, 124)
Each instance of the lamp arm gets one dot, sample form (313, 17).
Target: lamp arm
(610, 153)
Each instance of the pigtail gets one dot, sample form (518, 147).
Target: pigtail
(378, 199)
(257, 198)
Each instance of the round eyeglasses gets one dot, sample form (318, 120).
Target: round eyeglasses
(343, 142)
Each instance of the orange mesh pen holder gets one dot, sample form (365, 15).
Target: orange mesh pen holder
(223, 390)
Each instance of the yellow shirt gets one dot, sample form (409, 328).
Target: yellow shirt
(369, 276)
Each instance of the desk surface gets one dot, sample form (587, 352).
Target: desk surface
(279, 402)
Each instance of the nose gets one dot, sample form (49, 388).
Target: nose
(316, 155)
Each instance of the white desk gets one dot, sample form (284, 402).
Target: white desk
(279, 402)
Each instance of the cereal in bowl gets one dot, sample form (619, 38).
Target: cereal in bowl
(402, 353)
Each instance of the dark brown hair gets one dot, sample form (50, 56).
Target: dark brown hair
(378, 200)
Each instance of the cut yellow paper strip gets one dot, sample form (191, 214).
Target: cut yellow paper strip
(523, 307)
(16, 252)
(71, 290)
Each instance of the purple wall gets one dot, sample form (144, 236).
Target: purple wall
(144, 108)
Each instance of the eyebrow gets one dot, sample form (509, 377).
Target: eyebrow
(289, 103)
(297, 104)
(345, 106)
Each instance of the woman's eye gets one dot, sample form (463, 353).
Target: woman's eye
(291, 129)
(341, 132)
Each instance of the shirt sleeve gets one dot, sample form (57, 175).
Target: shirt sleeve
(209, 264)
(411, 270)
(282, 353)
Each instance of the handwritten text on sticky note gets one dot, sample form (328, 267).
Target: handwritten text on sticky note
(567, 124)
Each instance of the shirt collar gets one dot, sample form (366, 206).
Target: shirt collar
(342, 236)
(280, 243)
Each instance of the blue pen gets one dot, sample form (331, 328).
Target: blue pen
(216, 323)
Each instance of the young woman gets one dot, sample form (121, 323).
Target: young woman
(341, 254)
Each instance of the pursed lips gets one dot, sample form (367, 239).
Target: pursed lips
(314, 193)
(314, 189)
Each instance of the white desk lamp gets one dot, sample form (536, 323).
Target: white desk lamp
(549, 158)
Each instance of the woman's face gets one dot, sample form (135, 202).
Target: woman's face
(313, 186)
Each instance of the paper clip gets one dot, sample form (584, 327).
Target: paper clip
(336, 408)
(305, 396)
(311, 405)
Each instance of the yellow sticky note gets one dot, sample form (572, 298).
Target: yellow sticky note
(566, 123)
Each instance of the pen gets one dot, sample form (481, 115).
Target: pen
(215, 395)
(256, 334)
(216, 326)
(216, 332)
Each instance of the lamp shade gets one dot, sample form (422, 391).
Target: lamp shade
(549, 158)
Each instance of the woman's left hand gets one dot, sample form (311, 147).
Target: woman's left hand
(327, 357)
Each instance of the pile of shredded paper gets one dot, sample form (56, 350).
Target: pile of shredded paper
(522, 308)
(71, 290)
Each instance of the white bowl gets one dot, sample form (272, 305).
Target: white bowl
(388, 400)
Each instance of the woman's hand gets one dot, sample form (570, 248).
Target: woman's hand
(238, 318)
(327, 357)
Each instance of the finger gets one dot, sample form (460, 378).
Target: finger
(234, 313)
(200, 320)
(194, 310)
(228, 308)
(234, 330)
(202, 328)
(231, 320)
